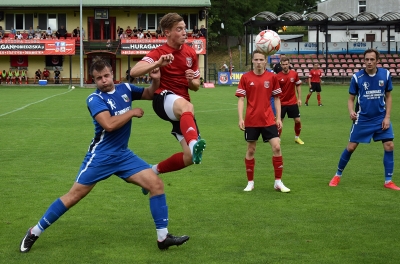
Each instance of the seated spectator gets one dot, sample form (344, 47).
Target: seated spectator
(123, 36)
(134, 32)
(195, 32)
(24, 35)
(119, 31)
(61, 32)
(140, 30)
(159, 32)
(46, 74)
(17, 77)
(57, 77)
(76, 32)
(38, 75)
(43, 35)
(3, 77)
(49, 32)
(31, 32)
(148, 35)
(128, 32)
(18, 35)
(203, 31)
(140, 35)
(2, 31)
(10, 77)
(1, 36)
(24, 75)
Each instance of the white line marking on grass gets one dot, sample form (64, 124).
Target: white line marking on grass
(25, 106)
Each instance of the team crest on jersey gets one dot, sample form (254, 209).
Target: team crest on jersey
(381, 83)
(189, 62)
(266, 84)
(291, 79)
(365, 85)
(223, 78)
(125, 97)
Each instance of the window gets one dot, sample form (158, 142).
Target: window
(152, 21)
(354, 36)
(362, 6)
(19, 21)
(54, 21)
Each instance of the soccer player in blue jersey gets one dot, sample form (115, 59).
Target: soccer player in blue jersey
(371, 117)
(111, 109)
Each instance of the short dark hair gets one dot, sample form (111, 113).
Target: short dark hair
(370, 51)
(284, 58)
(98, 64)
(258, 52)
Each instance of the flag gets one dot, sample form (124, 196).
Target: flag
(19, 61)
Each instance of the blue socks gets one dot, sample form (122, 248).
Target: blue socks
(344, 159)
(55, 211)
(388, 163)
(159, 211)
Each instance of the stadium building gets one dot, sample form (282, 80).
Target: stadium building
(100, 20)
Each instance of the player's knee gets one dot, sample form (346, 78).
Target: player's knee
(388, 145)
(250, 151)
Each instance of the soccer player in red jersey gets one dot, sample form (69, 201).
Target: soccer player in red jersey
(314, 81)
(179, 72)
(258, 86)
(290, 83)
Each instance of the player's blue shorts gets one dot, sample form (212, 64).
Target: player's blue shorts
(98, 167)
(364, 131)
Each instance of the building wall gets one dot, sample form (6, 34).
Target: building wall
(378, 7)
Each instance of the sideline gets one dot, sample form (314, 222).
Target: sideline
(25, 106)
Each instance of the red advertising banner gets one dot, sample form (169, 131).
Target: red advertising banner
(143, 46)
(37, 47)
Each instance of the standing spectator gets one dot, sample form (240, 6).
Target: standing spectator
(224, 67)
(61, 32)
(38, 75)
(159, 33)
(314, 82)
(46, 74)
(128, 32)
(258, 86)
(290, 84)
(179, 73)
(203, 31)
(195, 32)
(76, 32)
(148, 35)
(110, 107)
(119, 31)
(371, 117)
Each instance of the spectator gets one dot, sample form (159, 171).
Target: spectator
(43, 35)
(159, 33)
(76, 32)
(224, 67)
(10, 77)
(24, 35)
(18, 76)
(148, 35)
(140, 30)
(140, 35)
(24, 75)
(18, 35)
(38, 75)
(61, 32)
(2, 31)
(49, 32)
(31, 31)
(13, 31)
(3, 77)
(1, 36)
(134, 32)
(38, 30)
(57, 76)
(195, 32)
(120, 30)
(203, 31)
(128, 32)
(46, 74)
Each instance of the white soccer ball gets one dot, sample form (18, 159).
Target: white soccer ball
(72, 87)
(268, 42)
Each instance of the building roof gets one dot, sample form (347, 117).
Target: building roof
(106, 3)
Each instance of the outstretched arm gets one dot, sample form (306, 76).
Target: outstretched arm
(142, 67)
(149, 92)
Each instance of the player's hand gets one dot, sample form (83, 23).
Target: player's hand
(385, 123)
(299, 102)
(189, 74)
(353, 116)
(165, 60)
(279, 123)
(241, 125)
(137, 112)
(155, 74)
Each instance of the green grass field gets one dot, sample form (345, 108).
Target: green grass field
(44, 136)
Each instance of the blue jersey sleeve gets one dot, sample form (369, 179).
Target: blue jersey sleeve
(389, 86)
(96, 104)
(136, 92)
(353, 89)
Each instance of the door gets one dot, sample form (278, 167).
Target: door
(110, 58)
(370, 37)
(101, 29)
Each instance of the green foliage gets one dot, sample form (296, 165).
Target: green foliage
(43, 144)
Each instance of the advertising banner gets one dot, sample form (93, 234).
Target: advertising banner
(143, 46)
(227, 78)
(37, 47)
(358, 47)
(382, 47)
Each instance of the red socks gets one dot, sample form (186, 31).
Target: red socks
(277, 162)
(308, 97)
(297, 129)
(319, 98)
(188, 127)
(250, 168)
(173, 163)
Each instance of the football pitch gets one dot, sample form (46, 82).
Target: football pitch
(45, 133)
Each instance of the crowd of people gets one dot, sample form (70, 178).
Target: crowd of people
(38, 33)
(14, 76)
(140, 33)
